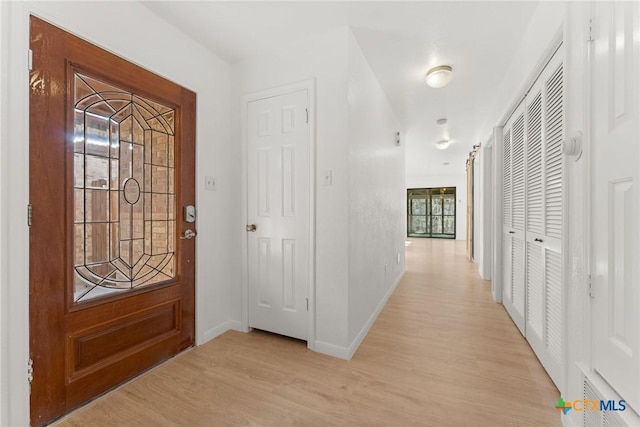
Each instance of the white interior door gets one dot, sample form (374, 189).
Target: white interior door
(514, 200)
(279, 206)
(615, 192)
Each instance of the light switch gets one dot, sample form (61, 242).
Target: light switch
(210, 183)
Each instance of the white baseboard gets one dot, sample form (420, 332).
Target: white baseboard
(365, 329)
(331, 349)
(219, 330)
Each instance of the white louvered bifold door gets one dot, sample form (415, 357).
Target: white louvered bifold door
(535, 216)
(545, 131)
(507, 294)
(514, 199)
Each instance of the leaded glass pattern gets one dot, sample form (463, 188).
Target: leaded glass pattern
(124, 190)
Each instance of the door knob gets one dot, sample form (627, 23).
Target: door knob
(251, 227)
(188, 234)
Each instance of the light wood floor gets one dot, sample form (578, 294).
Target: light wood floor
(441, 353)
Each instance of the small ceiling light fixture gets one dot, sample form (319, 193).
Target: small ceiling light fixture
(439, 76)
(442, 145)
(442, 121)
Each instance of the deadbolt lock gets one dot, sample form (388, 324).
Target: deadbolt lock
(251, 227)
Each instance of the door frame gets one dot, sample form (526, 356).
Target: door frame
(14, 261)
(310, 86)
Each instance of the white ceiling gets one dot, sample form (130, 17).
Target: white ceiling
(401, 40)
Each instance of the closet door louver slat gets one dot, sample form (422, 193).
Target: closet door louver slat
(535, 291)
(518, 276)
(534, 166)
(553, 154)
(506, 198)
(518, 173)
(553, 305)
(506, 271)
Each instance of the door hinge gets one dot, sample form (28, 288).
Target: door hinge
(30, 370)
(590, 283)
(306, 110)
(29, 214)
(307, 303)
(30, 59)
(590, 39)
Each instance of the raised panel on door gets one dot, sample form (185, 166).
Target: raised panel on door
(614, 210)
(112, 154)
(279, 206)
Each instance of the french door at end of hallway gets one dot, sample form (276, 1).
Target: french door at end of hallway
(111, 264)
(431, 212)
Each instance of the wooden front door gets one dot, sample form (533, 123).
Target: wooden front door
(112, 155)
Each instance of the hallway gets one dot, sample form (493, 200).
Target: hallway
(441, 353)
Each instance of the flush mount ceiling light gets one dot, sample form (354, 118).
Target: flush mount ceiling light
(439, 76)
(442, 145)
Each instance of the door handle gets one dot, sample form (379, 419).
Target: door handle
(537, 240)
(188, 234)
(512, 232)
(251, 228)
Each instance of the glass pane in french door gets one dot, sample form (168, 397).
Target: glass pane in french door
(417, 225)
(419, 206)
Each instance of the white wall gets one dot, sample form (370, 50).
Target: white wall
(377, 212)
(546, 22)
(455, 180)
(323, 57)
(4, 384)
(482, 211)
(577, 334)
(143, 38)
(485, 211)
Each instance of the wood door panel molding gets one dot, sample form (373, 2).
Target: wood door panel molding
(90, 386)
(82, 349)
(109, 341)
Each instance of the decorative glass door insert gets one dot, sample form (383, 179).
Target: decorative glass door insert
(124, 190)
